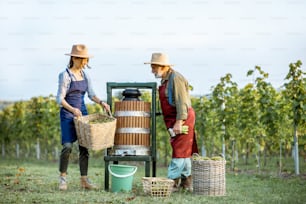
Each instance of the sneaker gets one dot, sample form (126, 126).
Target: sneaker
(63, 183)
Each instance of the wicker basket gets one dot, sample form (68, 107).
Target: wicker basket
(208, 177)
(157, 186)
(95, 136)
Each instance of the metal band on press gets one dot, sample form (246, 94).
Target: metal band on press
(133, 130)
(132, 113)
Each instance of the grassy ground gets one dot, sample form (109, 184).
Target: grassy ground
(37, 182)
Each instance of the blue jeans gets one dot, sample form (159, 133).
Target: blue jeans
(179, 167)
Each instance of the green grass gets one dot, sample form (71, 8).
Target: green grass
(37, 182)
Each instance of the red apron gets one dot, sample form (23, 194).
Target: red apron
(183, 145)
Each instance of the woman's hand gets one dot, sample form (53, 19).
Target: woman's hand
(105, 106)
(76, 112)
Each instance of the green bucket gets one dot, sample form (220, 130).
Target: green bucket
(122, 177)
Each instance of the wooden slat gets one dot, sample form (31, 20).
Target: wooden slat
(132, 122)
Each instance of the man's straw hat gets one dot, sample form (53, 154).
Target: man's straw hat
(79, 51)
(159, 59)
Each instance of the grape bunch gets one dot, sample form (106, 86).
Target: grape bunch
(200, 158)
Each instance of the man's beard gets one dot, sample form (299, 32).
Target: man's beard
(158, 75)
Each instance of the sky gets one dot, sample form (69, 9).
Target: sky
(205, 40)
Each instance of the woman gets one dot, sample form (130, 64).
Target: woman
(73, 84)
(177, 112)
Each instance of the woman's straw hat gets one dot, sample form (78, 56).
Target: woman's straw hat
(159, 59)
(79, 51)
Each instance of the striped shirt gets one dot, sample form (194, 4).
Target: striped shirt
(64, 81)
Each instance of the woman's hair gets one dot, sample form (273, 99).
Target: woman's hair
(70, 64)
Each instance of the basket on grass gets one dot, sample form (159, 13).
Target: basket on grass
(208, 175)
(95, 131)
(157, 186)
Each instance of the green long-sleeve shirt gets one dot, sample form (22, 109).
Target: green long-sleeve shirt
(180, 94)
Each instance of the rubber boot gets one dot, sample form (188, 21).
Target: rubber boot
(187, 183)
(176, 185)
(86, 184)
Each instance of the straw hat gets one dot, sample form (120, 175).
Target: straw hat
(79, 51)
(159, 59)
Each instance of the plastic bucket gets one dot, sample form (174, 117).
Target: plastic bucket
(122, 177)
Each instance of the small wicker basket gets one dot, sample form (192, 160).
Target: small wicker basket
(95, 136)
(208, 177)
(157, 186)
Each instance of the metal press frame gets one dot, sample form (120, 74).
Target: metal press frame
(146, 158)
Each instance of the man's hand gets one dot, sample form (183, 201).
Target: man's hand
(177, 128)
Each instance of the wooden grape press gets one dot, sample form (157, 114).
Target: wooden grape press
(135, 138)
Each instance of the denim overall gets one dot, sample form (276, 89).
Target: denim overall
(75, 98)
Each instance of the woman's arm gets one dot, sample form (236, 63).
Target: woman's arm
(102, 103)
(63, 85)
(76, 112)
